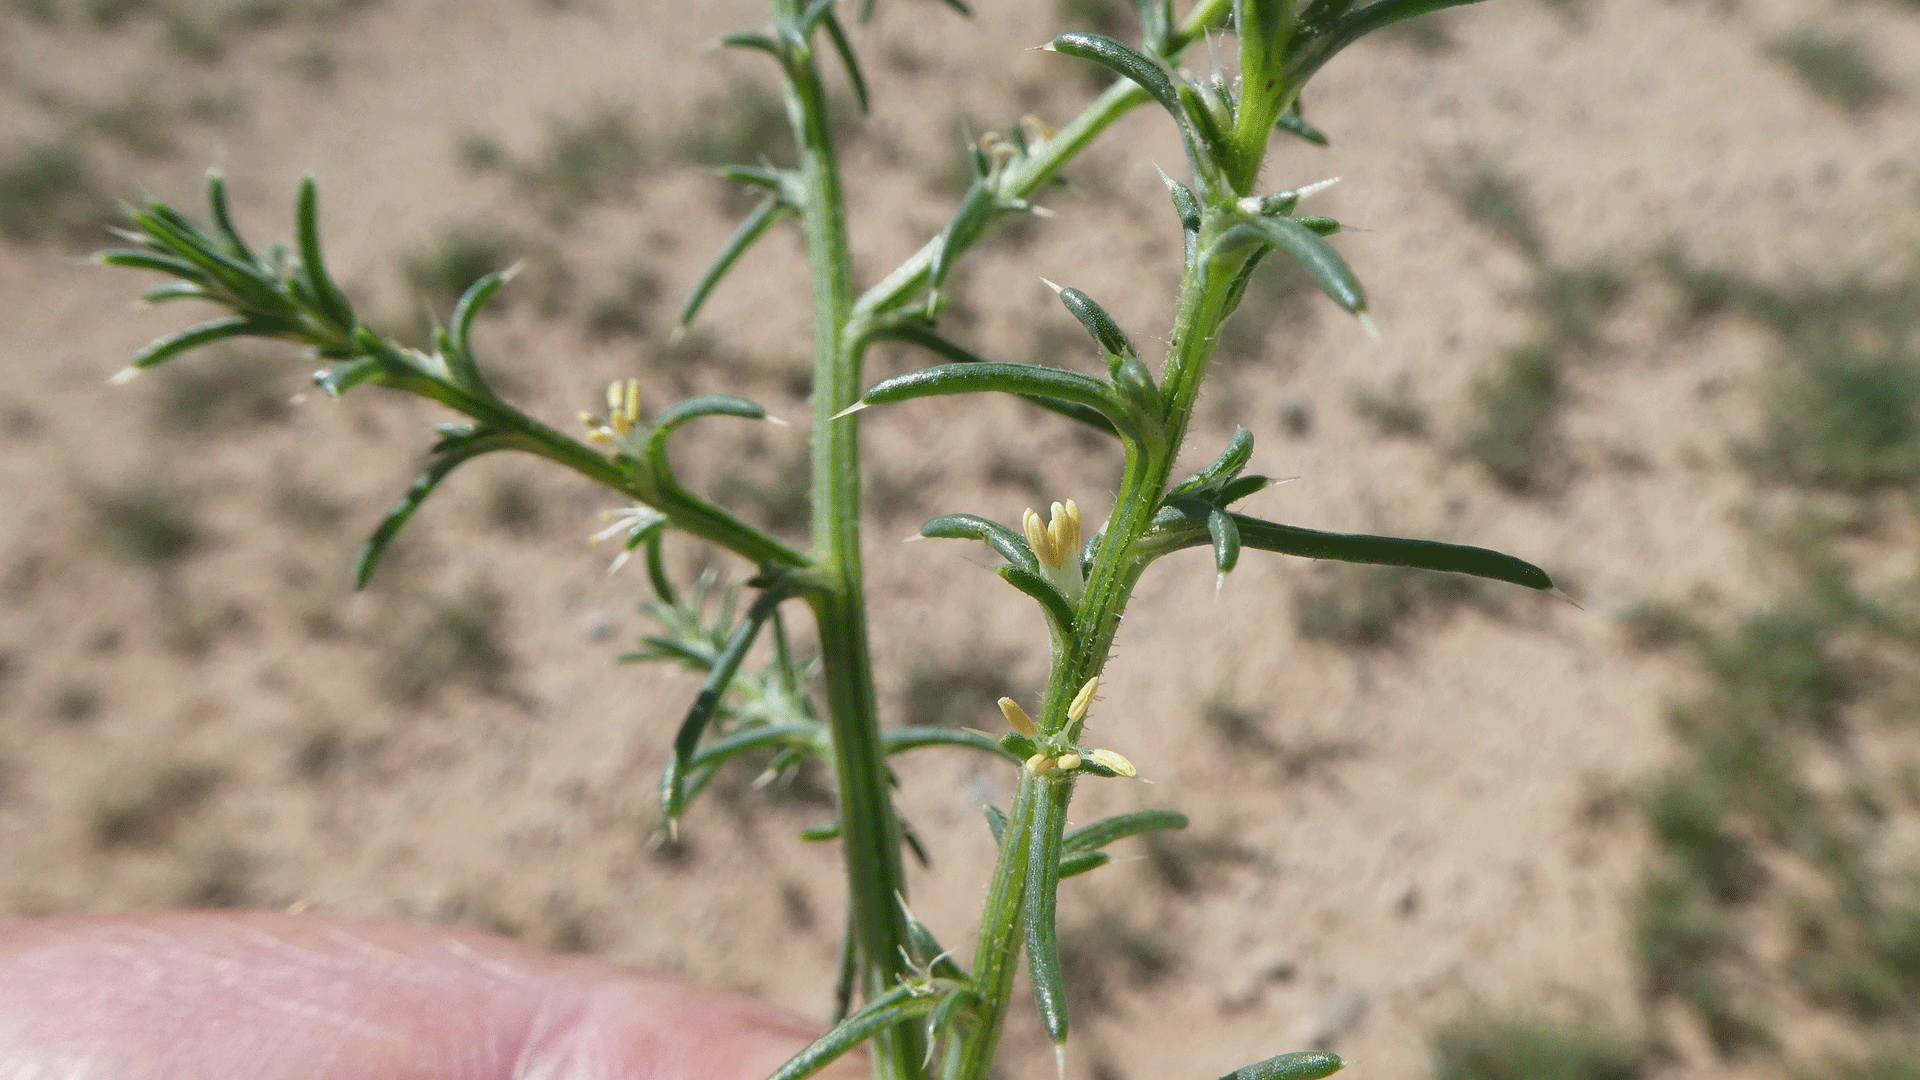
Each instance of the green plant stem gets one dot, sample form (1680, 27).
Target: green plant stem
(869, 828)
(1110, 580)
(997, 957)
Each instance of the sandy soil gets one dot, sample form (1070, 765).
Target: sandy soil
(1394, 837)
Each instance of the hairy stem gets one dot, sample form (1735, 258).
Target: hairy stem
(869, 828)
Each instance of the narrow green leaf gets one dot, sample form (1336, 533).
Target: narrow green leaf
(160, 350)
(753, 228)
(368, 557)
(460, 331)
(1310, 51)
(1305, 1065)
(820, 834)
(753, 39)
(663, 589)
(1030, 380)
(152, 260)
(1075, 865)
(894, 740)
(707, 703)
(1304, 246)
(223, 220)
(1125, 61)
(896, 1005)
(1240, 488)
(917, 333)
(950, 1009)
(1391, 551)
(1101, 833)
(342, 377)
(932, 954)
(1223, 469)
(996, 821)
(313, 267)
(1055, 605)
(1038, 903)
(1177, 528)
(1296, 125)
(173, 290)
(693, 408)
(1011, 545)
(1213, 136)
(1132, 379)
(720, 751)
(810, 18)
(1187, 206)
(181, 239)
(1106, 333)
(760, 176)
(1226, 540)
(847, 57)
(969, 222)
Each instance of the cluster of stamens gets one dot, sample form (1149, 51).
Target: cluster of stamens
(1043, 762)
(623, 413)
(1056, 543)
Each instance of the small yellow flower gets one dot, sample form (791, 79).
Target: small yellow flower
(623, 413)
(1056, 543)
(1110, 760)
(1018, 719)
(1067, 762)
(1038, 764)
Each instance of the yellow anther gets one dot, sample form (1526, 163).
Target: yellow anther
(1038, 763)
(1018, 719)
(623, 405)
(1033, 123)
(1083, 700)
(1111, 761)
(1067, 762)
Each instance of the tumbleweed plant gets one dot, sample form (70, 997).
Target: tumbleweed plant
(917, 1006)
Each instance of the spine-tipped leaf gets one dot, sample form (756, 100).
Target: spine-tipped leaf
(1038, 587)
(1101, 833)
(1180, 525)
(1124, 61)
(1304, 246)
(163, 349)
(1038, 904)
(313, 266)
(1028, 380)
(1305, 1065)
(898, 1004)
(753, 228)
(452, 454)
(707, 703)
(1106, 333)
(1011, 545)
(918, 333)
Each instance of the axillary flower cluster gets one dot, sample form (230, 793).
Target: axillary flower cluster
(623, 414)
(1046, 757)
(1056, 544)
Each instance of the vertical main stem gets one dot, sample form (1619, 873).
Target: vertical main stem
(869, 829)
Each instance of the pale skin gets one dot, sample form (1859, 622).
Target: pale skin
(266, 996)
